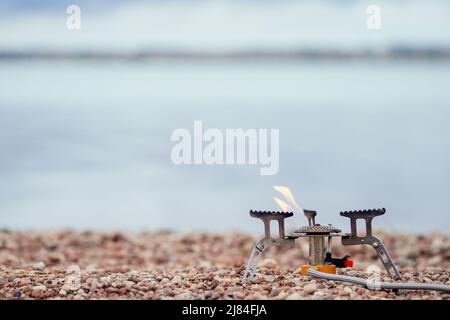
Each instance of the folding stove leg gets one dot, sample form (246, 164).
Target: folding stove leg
(282, 240)
(253, 261)
(386, 259)
(369, 238)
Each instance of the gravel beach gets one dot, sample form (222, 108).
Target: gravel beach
(65, 264)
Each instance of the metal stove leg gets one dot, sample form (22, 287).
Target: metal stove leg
(369, 238)
(266, 217)
(386, 260)
(253, 261)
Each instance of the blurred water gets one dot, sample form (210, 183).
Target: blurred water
(88, 145)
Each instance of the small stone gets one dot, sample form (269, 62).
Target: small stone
(40, 287)
(239, 295)
(129, 284)
(17, 293)
(234, 289)
(443, 278)
(72, 284)
(435, 261)
(65, 287)
(39, 266)
(294, 296)
(269, 263)
(342, 293)
(24, 282)
(318, 295)
(427, 280)
(36, 294)
(183, 296)
(275, 291)
(282, 296)
(38, 291)
(92, 268)
(73, 269)
(176, 280)
(94, 284)
(346, 291)
(437, 245)
(435, 277)
(310, 288)
(257, 280)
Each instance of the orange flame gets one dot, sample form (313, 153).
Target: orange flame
(292, 204)
(283, 205)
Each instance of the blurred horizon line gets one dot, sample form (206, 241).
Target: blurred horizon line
(393, 53)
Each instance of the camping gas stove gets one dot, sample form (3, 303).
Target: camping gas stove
(320, 240)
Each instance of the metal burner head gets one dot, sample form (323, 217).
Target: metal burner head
(317, 230)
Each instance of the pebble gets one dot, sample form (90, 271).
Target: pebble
(294, 296)
(318, 295)
(176, 280)
(435, 261)
(72, 283)
(343, 292)
(38, 291)
(40, 288)
(39, 266)
(310, 288)
(37, 294)
(239, 295)
(129, 284)
(268, 263)
(184, 296)
(275, 291)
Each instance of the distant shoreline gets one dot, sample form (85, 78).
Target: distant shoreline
(399, 53)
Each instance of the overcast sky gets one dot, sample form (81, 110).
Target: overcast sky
(219, 25)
